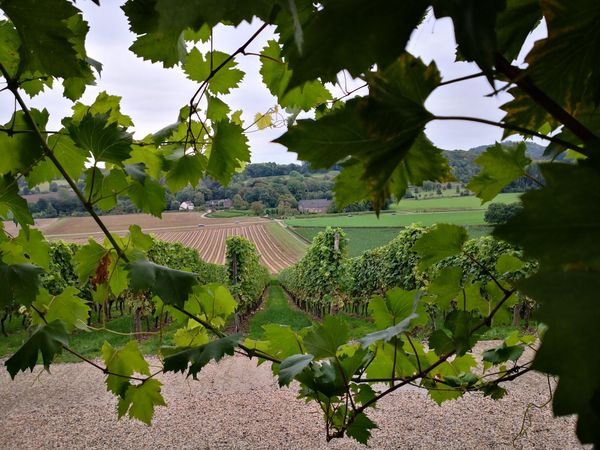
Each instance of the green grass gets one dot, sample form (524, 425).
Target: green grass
(89, 344)
(227, 213)
(451, 203)
(277, 310)
(400, 219)
(359, 239)
(287, 240)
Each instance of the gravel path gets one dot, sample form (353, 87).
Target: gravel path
(238, 405)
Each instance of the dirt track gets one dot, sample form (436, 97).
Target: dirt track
(237, 405)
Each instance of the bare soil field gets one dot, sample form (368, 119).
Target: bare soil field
(236, 405)
(191, 229)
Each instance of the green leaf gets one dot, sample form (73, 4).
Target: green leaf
(111, 185)
(186, 170)
(140, 240)
(28, 247)
(509, 263)
(48, 340)
(12, 204)
(216, 108)
(87, 259)
(324, 339)
(282, 340)
(276, 76)
(186, 337)
(457, 333)
(441, 241)
(564, 65)
(379, 131)
(198, 357)
(365, 28)
(104, 104)
(9, 47)
(502, 354)
(229, 151)
(20, 284)
(390, 332)
(160, 24)
(18, 153)
(172, 286)
(48, 44)
(67, 307)
(149, 196)
(360, 428)
(499, 167)
(140, 400)
(292, 366)
(198, 69)
(105, 140)
(395, 307)
(514, 24)
(124, 361)
(213, 302)
(559, 226)
(445, 287)
(474, 28)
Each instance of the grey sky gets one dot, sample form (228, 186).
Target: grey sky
(152, 95)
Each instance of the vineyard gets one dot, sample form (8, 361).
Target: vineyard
(190, 229)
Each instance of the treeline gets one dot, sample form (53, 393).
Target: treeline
(326, 281)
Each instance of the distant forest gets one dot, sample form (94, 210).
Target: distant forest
(270, 188)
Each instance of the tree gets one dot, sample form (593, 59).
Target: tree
(379, 141)
(258, 208)
(501, 212)
(238, 202)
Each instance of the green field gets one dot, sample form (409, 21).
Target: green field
(399, 219)
(287, 240)
(451, 203)
(359, 239)
(227, 213)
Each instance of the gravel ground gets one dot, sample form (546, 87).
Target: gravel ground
(237, 405)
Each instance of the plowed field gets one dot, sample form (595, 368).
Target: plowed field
(190, 229)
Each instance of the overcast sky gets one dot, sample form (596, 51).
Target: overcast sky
(152, 95)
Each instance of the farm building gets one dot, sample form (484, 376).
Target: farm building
(220, 204)
(314, 206)
(186, 206)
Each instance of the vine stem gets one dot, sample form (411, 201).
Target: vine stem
(521, 130)
(525, 83)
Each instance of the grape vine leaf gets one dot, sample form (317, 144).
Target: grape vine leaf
(140, 400)
(9, 47)
(194, 337)
(20, 152)
(568, 76)
(172, 286)
(67, 307)
(474, 28)
(365, 28)
(395, 307)
(148, 195)
(324, 339)
(11, 202)
(276, 76)
(198, 69)
(27, 248)
(229, 151)
(47, 340)
(360, 428)
(196, 358)
(292, 366)
(187, 169)
(283, 341)
(216, 109)
(160, 24)
(105, 140)
(514, 24)
(503, 353)
(445, 287)
(458, 333)
(441, 241)
(123, 361)
(509, 263)
(213, 302)
(87, 258)
(47, 41)
(500, 166)
(20, 283)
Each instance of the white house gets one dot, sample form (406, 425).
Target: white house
(186, 206)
